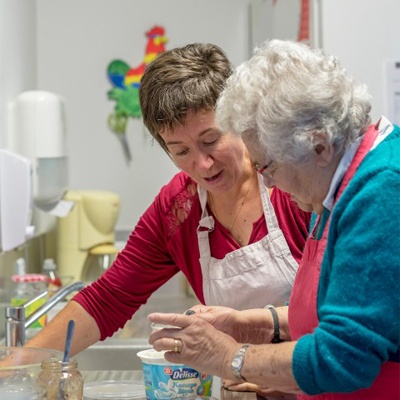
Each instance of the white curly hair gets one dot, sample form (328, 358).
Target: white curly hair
(284, 93)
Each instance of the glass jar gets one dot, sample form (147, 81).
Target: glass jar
(57, 377)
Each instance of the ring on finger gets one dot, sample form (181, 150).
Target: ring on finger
(177, 346)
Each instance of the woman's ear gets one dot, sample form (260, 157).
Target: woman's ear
(324, 150)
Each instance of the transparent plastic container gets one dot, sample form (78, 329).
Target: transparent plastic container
(128, 390)
(19, 369)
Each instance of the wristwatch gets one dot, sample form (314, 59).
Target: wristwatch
(238, 361)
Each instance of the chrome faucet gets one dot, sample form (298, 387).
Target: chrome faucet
(17, 323)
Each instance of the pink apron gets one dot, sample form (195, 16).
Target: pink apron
(303, 318)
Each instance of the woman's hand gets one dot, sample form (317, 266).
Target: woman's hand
(250, 326)
(194, 342)
(224, 319)
(261, 391)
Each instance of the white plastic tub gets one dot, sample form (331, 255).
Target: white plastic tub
(164, 380)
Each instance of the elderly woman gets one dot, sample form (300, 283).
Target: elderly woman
(306, 124)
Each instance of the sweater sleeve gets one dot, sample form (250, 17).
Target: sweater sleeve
(138, 271)
(358, 295)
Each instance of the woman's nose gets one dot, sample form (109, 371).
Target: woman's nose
(204, 160)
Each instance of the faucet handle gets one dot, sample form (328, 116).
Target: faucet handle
(15, 325)
(15, 312)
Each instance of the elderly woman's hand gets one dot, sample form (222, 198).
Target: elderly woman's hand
(249, 326)
(194, 342)
(224, 319)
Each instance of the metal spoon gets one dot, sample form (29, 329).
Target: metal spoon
(68, 342)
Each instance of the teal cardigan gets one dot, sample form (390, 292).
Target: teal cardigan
(358, 301)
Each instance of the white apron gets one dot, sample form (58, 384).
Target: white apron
(250, 277)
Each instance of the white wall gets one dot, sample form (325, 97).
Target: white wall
(17, 54)
(65, 45)
(76, 41)
(363, 34)
(271, 19)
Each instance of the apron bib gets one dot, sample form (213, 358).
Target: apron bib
(303, 317)
(250, 277)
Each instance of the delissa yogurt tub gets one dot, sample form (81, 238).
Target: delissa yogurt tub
(164, 380)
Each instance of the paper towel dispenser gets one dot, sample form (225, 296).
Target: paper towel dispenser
(15, 200)
(37, 132)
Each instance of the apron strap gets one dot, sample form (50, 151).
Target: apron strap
(269, 212)
(365, 146)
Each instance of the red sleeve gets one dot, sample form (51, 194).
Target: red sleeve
(139, 270)
(293, 221)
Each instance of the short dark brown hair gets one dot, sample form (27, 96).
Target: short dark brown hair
(180, 80)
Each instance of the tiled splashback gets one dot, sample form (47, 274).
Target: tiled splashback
(34, 251)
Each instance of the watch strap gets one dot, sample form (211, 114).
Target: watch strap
(276, 338)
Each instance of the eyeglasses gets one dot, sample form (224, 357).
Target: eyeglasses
(262, 170)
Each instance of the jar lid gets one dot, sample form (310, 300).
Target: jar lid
(156, 327)
(30, 278)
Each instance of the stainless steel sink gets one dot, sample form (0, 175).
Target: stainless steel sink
(112, 354)
(116, 357)
(119, 352)
(112, 360)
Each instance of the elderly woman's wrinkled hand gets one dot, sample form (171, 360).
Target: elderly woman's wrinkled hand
(224, 319)
(248, 326)
(194, 342)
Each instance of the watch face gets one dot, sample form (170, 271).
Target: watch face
(236, 362)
